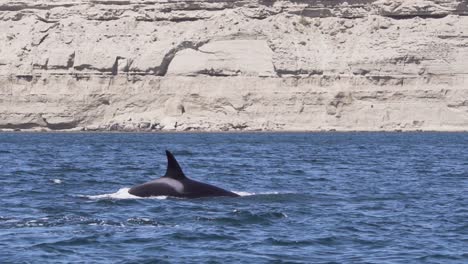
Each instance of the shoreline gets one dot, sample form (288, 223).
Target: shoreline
(236, 132)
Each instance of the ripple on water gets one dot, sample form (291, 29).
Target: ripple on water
(72, 242)
(244, 217)
(200, 236)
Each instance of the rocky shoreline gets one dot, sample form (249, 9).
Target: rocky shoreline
(230, 66)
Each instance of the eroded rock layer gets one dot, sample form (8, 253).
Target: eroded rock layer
(225, 65)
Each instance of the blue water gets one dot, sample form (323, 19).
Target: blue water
(306, 198)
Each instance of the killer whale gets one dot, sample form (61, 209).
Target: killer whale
(174, 183)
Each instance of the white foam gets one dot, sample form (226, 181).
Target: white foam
(122, 194)
(244, 193)
(251, 193)
(57, 181)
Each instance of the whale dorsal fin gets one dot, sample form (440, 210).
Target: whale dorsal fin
(173, 168)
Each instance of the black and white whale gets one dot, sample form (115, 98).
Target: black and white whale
(175, 183)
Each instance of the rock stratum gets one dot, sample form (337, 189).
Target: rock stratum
(224, 65)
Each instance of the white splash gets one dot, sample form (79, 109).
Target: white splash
(244, 193)
(57, 181)
(252, 193)
(122, 194)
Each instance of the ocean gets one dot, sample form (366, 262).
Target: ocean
(305, 198)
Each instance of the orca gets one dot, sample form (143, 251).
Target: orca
(174, 183)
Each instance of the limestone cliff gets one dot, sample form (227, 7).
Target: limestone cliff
(224, 65)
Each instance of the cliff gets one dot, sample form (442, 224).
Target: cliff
(225, 65)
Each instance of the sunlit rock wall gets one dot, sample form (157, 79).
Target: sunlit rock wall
(225, 65)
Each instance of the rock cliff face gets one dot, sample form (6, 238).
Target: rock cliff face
(225, 65)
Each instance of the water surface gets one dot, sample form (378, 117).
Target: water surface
(306, 198)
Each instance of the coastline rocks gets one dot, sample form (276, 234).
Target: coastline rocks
(254, 65)
(225, 58)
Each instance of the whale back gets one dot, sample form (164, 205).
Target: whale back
(175, 183)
